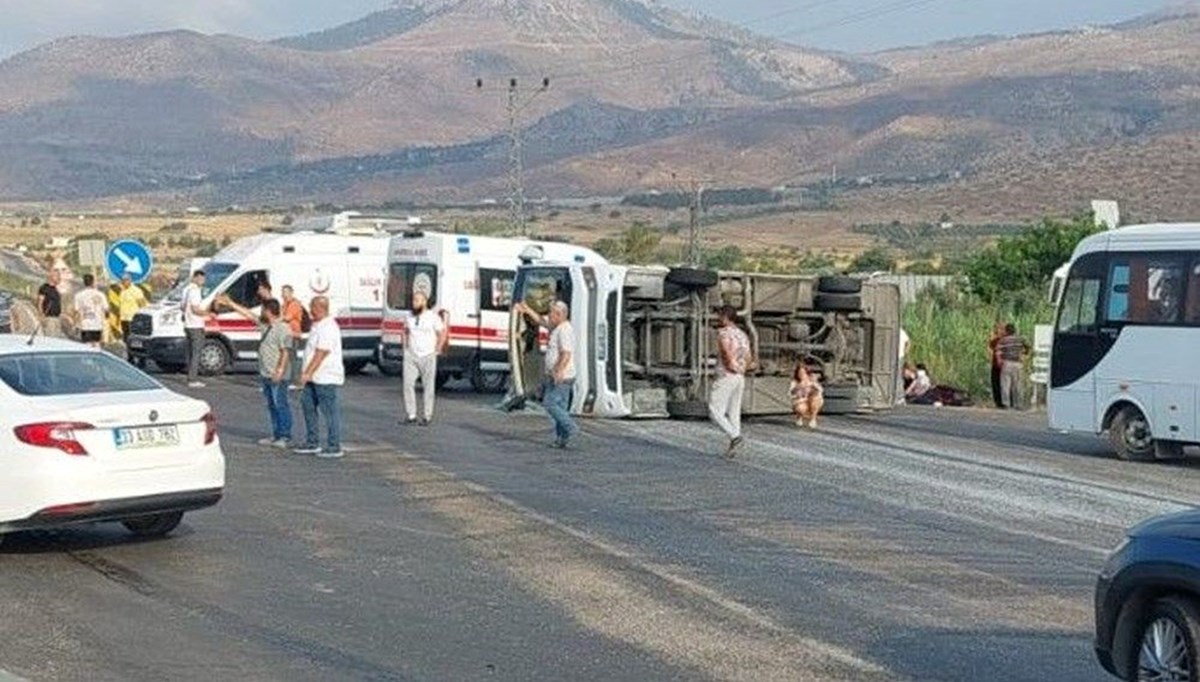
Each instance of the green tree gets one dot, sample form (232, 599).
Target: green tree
(725, 258)
(1008, 271)
(874, 259)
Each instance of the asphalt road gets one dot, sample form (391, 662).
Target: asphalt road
(921, 545)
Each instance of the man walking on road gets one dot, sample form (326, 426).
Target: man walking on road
(1011, 350)
(725, 402)
(321, 384)
(274, 358)
(90, 306)
(559, 380)
(425, 340)
(132, 300)
(194, 318)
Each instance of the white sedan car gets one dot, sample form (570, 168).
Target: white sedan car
(86, 437)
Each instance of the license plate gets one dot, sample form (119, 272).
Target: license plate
(146, 437)
(136, 343)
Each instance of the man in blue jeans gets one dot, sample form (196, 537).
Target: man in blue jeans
(274, 356)
(321, 384)
(559, 379)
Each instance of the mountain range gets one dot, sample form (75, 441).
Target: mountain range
(388, 108)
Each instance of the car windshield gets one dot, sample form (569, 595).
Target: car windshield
(67, 373)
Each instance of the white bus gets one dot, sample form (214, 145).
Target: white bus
(1126, 353)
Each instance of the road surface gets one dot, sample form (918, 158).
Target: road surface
(922, 545)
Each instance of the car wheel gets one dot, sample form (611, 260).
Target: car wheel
(488, 382)
(154, 525)
(839, 284)
(1166, 649)
(692, 278)
(1130, 435)
(688, 409)
(214, 358)
(355, 366)
(837, 303)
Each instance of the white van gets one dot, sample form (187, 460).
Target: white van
(470, 281)
(346, 263)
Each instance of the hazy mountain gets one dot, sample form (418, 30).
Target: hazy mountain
(386, 107)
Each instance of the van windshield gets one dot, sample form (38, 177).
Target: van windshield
(215, 274)
(540, 287)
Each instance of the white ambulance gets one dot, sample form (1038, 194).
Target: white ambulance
(469, 280)
(343, 257)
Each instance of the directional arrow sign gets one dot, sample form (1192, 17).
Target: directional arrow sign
(129, 257)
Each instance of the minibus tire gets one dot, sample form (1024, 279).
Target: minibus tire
(692, 278)
(1118, 432)
(837, 303)
(839, 284)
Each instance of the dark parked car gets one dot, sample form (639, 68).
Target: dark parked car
(1148, 602)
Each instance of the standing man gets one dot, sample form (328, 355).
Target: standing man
(49, 304)
(194, 318)
(559, 379)
(1011, 350)
(90, 307)
(274, 356)
(321, 383)
(293, 316)
(997, 363)
(725, 402)
(425, 338)
(133, 299)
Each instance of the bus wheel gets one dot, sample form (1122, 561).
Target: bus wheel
(1130, 435)
(488, 382)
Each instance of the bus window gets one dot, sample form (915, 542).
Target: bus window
(1192, 313)
(1079, 303)
(1145, 290)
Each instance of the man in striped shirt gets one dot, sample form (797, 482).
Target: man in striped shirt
(1010, 353)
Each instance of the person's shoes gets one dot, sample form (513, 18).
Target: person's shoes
(812, 425)
(559, 444)
(424, 422)
(734, 446)
(196, 384)
(799, 423)
(307, 450)
(330, 454)
(409, 421)
(281, 444)
(266, 441)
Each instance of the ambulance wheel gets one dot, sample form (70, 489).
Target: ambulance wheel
(488, 382)
(214, 358)
(355, 366)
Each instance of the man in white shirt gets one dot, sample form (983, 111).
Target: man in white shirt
(195, 315)
(559, 380)
(90, 308)
(425, 340)
(321, 383)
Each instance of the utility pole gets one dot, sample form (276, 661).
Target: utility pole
(517, 101)
(695, 192)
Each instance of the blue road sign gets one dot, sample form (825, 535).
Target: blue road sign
(129, 257)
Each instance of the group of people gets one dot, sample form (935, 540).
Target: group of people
(89, 309)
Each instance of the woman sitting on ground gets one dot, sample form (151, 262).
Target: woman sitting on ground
(807, 396)
(920, 391)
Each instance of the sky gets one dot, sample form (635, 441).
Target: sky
(847, 25)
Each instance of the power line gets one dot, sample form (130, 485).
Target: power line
(517, 101)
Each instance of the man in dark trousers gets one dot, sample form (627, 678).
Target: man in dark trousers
(49, 304)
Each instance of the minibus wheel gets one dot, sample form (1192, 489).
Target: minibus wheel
(1130, 435)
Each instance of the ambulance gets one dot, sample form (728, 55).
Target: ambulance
(469, 281)
(343, 257)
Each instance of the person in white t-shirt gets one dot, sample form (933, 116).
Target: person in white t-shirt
(425, 339)
(195, 315)
(559, 379)
(90, 308)
(321, 383)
